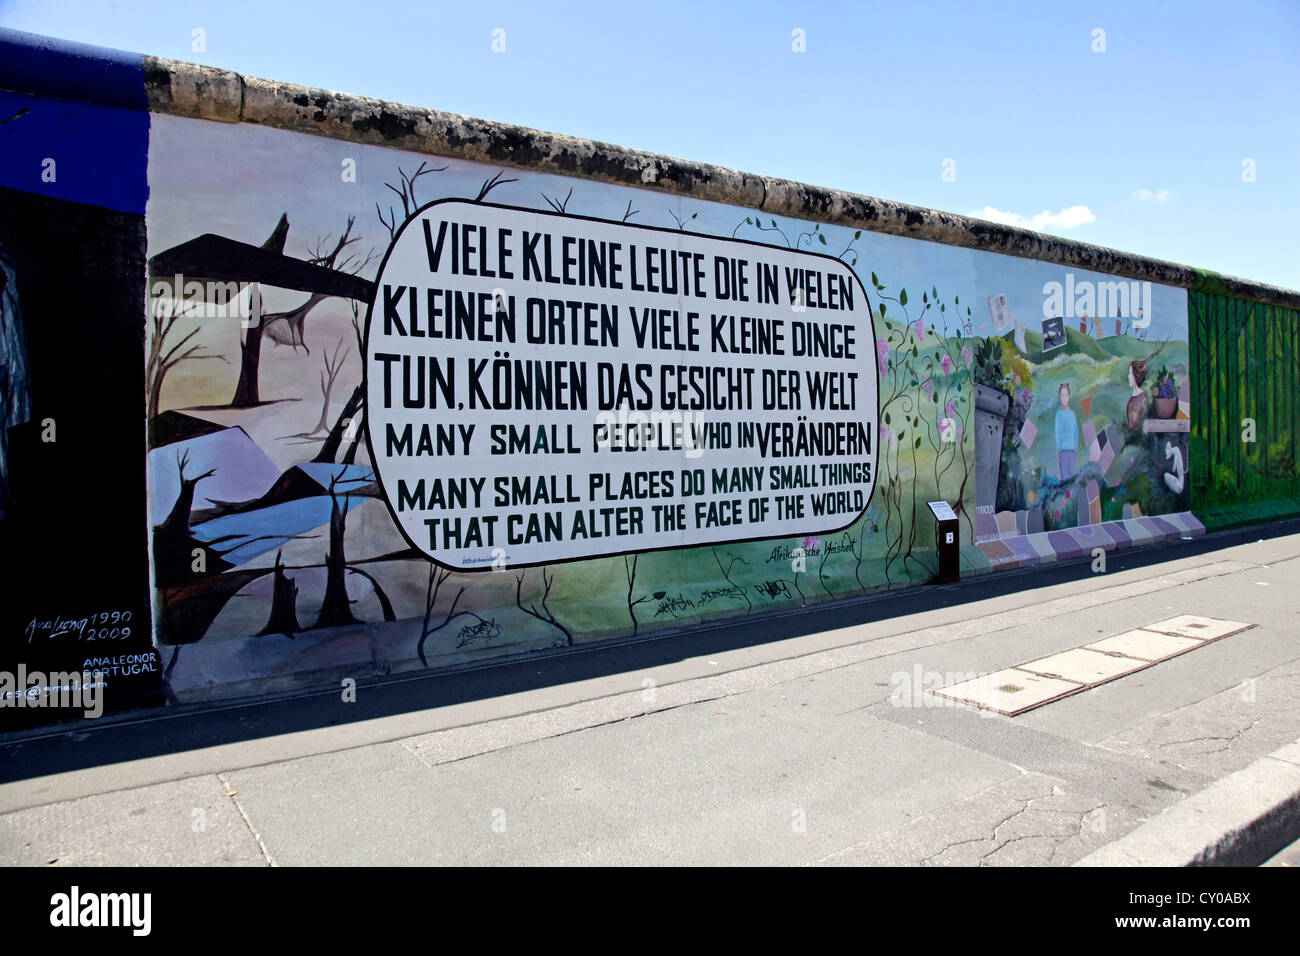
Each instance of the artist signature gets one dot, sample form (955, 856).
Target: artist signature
(774, 589)
(674, 605)
(102, 625)
(482, 631)
(712, 594)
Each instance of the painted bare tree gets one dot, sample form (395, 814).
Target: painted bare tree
(336, 609)
(333, 365)
(284, 604)
(629, 568)
(286, 328)
(437, 577)
(164, 315)
(539, 609)
(732, 561)
(178, 519)
(405, 192)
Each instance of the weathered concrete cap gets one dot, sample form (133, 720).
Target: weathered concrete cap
(188, 89)
(204, 92)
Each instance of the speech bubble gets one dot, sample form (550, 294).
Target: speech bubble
(558, 388)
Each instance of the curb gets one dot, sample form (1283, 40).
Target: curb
(1242, 819)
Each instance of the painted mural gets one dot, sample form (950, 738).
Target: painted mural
(410, 412)
(1085, 422)
(1246, 446)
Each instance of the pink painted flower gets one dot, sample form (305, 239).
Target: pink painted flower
(966, 355)
(951, 409)
(1057, 512)
(811, 542)
(946, 364)
(927, 386)
(919, 326)
(1067, 492)
(960, 428)
(887, 435)
(882, 353)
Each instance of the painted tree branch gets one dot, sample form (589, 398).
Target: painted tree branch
(545, 615)
(630, 570)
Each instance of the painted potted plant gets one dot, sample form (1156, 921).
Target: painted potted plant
(1166, 397)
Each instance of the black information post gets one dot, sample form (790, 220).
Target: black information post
(947, 541)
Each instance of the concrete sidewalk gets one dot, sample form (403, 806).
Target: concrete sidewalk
(818, 749)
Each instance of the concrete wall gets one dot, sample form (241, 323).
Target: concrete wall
(822, 364)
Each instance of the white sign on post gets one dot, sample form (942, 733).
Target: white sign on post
(942, 511)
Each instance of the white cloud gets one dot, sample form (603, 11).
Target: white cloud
(1156, 195)
(1067, 218)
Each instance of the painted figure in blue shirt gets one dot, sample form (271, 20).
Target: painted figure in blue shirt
(1067, 435)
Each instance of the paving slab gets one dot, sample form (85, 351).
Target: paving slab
(1145, 645)
(190, 822)
(1082, 666)
(1201, 628)
(686, 786)
(1011, 691)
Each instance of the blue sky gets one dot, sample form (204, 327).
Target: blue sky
(1139, 147)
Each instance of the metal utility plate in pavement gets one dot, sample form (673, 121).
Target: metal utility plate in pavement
(1017, 689)
(1010, 691)
(1145, 645)
(1201, 628)
(1084, 666)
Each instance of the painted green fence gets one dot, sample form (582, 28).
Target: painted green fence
(1245, 377)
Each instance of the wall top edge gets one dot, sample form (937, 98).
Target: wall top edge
(61, 69)
(46, 67)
